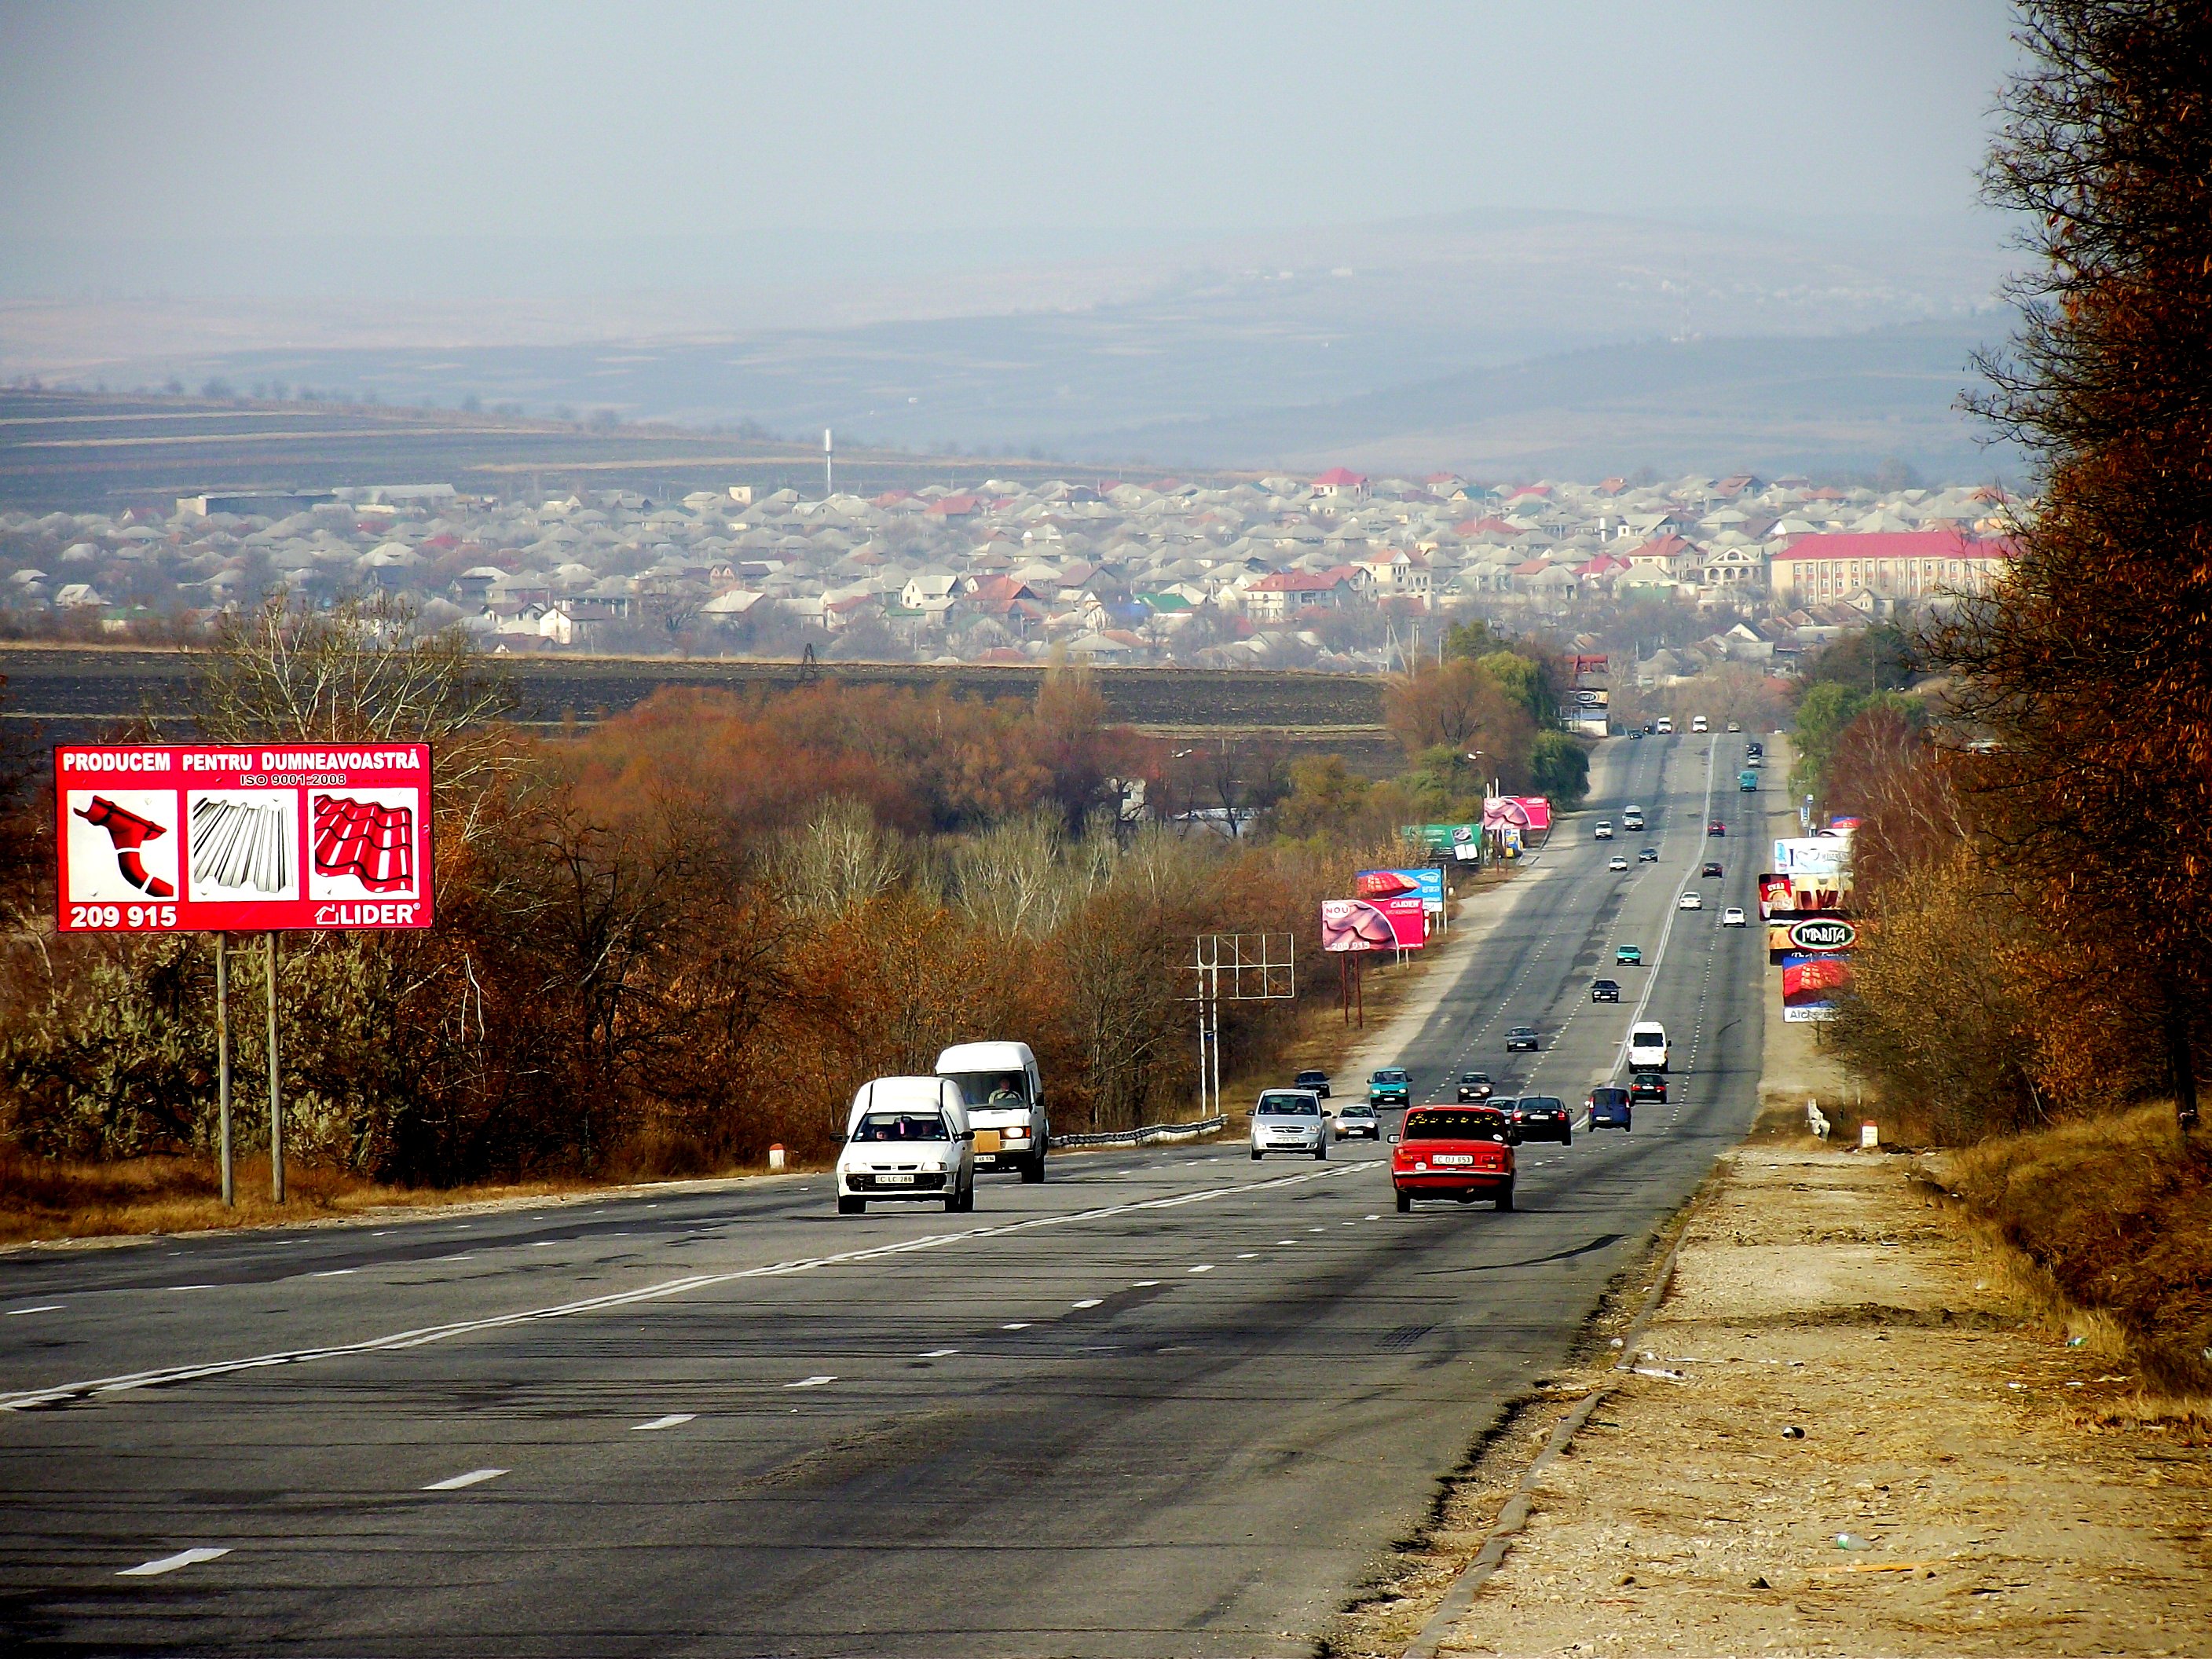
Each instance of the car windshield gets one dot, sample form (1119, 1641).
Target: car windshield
(1449, 1125)
(1476, 1076)
(1312, 1077)
(1388, 1077)
(902, 1125)
(1607, 1097)
(992, 1089)
(1357, 1108)
(1540, 1102)
(1288, 1106)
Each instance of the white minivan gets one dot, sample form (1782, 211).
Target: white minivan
(906, 1138)
(1004, 1094)
(1647, 1046)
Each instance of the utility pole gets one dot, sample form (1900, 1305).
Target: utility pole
(829, 466)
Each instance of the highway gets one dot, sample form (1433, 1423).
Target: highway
(1172, 1401)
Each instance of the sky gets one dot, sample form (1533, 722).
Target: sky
(161, 142)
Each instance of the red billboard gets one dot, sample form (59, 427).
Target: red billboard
(1396, 922)
(242, 838)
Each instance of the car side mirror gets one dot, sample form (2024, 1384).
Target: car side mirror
(836, 1140)
(1395, 1139)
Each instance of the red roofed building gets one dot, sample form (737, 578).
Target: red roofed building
(1667, 557)
(1895, 564)
(1469, 528)
(952, 507)
(1283, 595)
(1340, 481)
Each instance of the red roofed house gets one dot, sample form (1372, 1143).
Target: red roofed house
(1340, 481)
(1469, 528)
(1664, 558)
(1894, 564)
(952, 507)
(1283, 595)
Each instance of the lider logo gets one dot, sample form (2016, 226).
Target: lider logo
(1824, 934)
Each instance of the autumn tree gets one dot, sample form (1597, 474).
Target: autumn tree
(2090, 669)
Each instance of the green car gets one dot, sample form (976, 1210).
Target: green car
(1628, 955)
(1389, 1087)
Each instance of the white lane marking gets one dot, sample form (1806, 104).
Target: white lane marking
(1018, 1324)
(1202, 1267)
(1144, 1284)
(464, 1256)
(1248, 1255)
(455, 1482)
(1286, 1241)
(1666, 932)
(44, 1306)
(190, 1287)
(423, 1335)
(542, 1244)
(1087, 1302)
(190, 1557)
(811, 1382)
(938, 1353)
(332, 1273)
(672, 1421)
(1371, 1218)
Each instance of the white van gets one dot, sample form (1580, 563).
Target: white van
(1647, 1046)
(1698, 723)
(1004, 1099)
(906, 1138)
(1666, 726)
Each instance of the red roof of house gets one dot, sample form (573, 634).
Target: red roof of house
(1491, 526)
(1528, 489)
(1338, 477)
(1895, 545)
(951, 505)
(1296, 582)
(1661, 547)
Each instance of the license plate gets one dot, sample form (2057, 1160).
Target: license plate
(894, 1181)
(1453, 1157)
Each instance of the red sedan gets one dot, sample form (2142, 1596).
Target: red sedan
(1462, 1152)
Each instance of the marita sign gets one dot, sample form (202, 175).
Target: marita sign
(1824, 933)
(171, 838)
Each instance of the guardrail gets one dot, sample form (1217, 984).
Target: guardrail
(1145, 1136)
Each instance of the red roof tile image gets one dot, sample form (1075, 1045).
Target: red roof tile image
(362, 839)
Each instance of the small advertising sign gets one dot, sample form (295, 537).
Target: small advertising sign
(1428, 882)
(1809, 984)
(193, 838)
(1774, 895)
(1395, 923)
(1813, 855)
(1823, 933)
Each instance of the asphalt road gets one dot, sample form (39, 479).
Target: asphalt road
(1170, 1402)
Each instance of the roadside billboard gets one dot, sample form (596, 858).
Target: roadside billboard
(1813, 855)
(1524, 812)
(1809, 984)
(1800, 894)
(246, 838)
(1428, 881)
(1395, 923)
(1440, 840)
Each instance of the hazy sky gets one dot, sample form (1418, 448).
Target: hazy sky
(162, 120)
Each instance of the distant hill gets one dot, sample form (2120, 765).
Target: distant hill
(1822, 404)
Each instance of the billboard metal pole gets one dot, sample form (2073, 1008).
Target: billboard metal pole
(276, 1088)
(223, 1060)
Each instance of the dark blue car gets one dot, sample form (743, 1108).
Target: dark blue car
(1609, 1109)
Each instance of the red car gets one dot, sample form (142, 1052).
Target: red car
(1716, 828)
(1462, 1152)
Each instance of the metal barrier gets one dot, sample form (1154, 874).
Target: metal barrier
(1145, 1136)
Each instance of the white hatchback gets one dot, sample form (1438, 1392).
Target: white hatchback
(907, 1141)
(1689, 902)
(1732, 917)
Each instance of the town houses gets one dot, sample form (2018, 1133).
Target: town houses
(1335, 571)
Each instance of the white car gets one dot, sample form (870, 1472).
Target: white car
(906, 1139)
(1357, 1117)
(1733, 917)
(1290, 1121)
(1689, 902)
(1618, 861)
(1604, 830)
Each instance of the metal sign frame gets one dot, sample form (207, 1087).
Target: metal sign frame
(1235, 968)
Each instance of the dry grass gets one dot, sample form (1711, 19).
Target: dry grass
(43, 1200)
(2113, 1218)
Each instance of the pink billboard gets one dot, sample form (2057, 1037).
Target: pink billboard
(1394, 922)
(1532, 813)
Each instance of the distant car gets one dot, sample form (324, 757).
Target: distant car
(1716, 828)
(1648, 1085)
(1635, 737)
(1389, 1087)
(1317, 1081)
(1698, 723)
(1733, 917)
(1649, 730)
(1608, 1108)
(1689, 902)
(1711, 867)
(1604, 830)
(1522, 1036)
(1476, 1085)
(1605, 990)
(1357, 1117)
(1754, 750)
(1735, 725)
(1628, 955)
(1633, 818)
(1289, 1120)
(1543, 1117)
(1648, 855)
(1462, 1152)
(1618, 861)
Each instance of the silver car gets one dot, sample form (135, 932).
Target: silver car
(1357, 1117)
(1290, 1121)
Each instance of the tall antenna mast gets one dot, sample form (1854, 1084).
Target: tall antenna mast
(829, 466)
